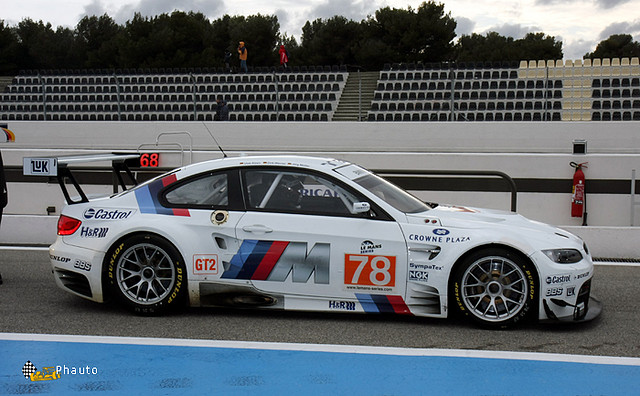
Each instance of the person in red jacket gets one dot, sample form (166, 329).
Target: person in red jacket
(284, 57)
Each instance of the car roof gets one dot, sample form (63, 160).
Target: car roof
(294, 161)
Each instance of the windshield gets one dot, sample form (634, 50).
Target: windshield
(391, 194)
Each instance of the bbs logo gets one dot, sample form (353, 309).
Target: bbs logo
(83, 265)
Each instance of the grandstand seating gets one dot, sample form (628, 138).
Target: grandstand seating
(582, 90)
(528, 91)
(302, 94)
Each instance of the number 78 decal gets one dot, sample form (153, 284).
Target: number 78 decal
(369, 270)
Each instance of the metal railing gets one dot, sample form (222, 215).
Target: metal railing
(511, 184)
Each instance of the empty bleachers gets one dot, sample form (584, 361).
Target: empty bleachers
(554, 90)
(303, 94)
(528, 91)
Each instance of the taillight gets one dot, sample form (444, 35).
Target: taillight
(68, 225)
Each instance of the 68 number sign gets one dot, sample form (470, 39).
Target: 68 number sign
(150, 160)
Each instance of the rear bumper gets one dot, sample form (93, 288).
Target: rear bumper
(77, 270)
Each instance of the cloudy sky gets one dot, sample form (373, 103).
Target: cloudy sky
(579, 24)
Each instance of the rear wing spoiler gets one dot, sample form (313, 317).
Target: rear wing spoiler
(58, 167)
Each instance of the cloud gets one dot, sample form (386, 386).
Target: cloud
(464, 26)
(516, 31)
(578, 48)
(632, 28)
(608, 4)
(350, 9)
(94, 8)
(151, 8)
(604, 4)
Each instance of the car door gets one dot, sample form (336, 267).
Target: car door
(302, 236)
(207, 208)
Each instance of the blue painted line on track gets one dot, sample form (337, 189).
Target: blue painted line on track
(136, 366)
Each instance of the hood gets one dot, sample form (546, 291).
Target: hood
(469, 217)
(497, 222)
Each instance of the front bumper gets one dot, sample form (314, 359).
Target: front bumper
(586, 307)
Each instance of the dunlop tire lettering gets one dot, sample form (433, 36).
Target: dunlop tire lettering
(120, 255)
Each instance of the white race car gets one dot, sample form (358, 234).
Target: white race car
(315, 234)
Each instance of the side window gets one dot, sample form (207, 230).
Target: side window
(297, 192)
(209, 190)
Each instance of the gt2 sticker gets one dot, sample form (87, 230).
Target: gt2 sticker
(369, 272)
(205, 264)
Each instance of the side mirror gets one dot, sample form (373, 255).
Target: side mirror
(361, 207)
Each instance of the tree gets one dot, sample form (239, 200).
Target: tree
(423, 35)
(43, 48)
(616, 46)
(495, 47)
(260, 35)
(9, 50)
(491, 47)
(330, 41)
(97, 37)
(539, 46)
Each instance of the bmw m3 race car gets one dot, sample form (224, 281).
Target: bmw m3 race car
(316, 234)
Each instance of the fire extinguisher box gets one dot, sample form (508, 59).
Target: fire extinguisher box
(579, 146)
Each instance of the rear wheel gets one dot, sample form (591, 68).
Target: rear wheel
(495, 287)
(147, 274)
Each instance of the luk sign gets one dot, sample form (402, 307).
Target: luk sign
(40, 166)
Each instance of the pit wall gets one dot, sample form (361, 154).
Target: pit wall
(536, 153)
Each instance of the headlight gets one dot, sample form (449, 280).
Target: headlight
(563, 256)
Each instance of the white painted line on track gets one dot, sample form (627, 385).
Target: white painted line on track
(357, 349)
(616, 263)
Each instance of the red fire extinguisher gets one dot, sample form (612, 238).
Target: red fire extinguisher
(578, 197)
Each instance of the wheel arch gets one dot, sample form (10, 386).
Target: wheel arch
(519, 253)
(106, 291)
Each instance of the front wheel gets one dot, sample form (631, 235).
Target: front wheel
(495, 287)
(147, 274)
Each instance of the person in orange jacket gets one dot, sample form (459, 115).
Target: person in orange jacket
(242, 54)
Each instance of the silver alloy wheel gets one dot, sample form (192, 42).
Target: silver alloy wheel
(145, 274)
(494, 289)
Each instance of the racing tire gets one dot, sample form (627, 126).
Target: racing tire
(495, 287)
(147, 274)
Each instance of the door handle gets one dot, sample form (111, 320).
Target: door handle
(257, 228)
